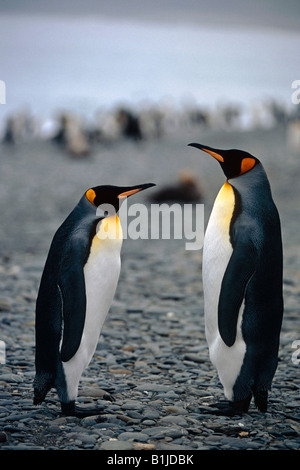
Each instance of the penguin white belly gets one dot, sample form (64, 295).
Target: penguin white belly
(101, 273)
(217, 251)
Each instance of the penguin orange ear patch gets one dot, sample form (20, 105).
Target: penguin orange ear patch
(247, 164)
(90, 195)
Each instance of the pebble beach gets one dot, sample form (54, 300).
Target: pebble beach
(151, 374)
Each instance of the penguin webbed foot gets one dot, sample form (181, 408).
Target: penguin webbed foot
(70, 409)
(224, 409)
(229, 408)
(261, 400)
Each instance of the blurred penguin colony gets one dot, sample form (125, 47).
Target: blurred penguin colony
(78, 136)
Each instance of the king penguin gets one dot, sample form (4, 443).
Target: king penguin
(242, 282)
(77, 287)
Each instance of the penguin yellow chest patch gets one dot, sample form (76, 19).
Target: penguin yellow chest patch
(109, 235)
(217, 251)
(223, 209)
(217, 247)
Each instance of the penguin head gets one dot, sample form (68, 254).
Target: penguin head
(112, 196)
(234, 162)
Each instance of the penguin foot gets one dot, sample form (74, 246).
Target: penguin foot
(230, 408)
(70, 409)
(224, 409)
(261, 400)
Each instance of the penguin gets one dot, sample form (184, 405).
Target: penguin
(242, 282)
(185, 190)
(77, 287)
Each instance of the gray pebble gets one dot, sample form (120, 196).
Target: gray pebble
(160, 432)
(14, 378)
(133, 405)
(5, 305)
(116, 445)
(149, 422)
(133, 436)
(173, 419)
(236, 443)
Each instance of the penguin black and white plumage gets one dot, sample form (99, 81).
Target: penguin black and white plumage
(242, 281)
(76, 290)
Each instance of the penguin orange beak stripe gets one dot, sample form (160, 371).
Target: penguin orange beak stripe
(214, 154)
(129, 193)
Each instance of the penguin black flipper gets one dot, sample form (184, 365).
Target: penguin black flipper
(238, 273)
(72, 291)
(71, 285)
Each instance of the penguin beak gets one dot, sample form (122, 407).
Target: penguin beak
(135, 189)
(213, 152)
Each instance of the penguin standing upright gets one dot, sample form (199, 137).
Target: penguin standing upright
(76, 290)
(242, 281)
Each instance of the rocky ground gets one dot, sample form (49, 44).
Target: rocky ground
(151, 374)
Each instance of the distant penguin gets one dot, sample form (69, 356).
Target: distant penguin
(185, 190)
(242, 282)
(76, 290)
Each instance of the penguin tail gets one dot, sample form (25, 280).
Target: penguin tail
(41, 386)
